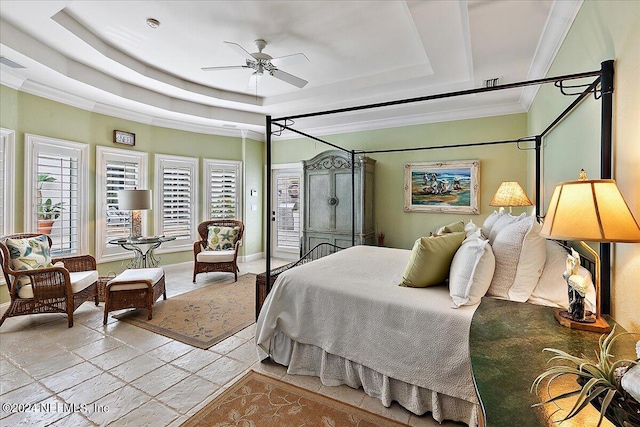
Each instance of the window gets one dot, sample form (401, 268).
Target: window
(56, 192)
(223, 185)
(7, 161)
(116, 169)
(176, 200)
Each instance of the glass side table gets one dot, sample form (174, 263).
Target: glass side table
(142, 248)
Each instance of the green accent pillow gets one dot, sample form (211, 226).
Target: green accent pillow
(29, 254)
(454, 227)
(431, 260)
(222, 238)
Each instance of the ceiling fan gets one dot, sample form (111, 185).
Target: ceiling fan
(261, 62)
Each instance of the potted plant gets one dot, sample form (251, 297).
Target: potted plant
(599, 383)
(47, 211)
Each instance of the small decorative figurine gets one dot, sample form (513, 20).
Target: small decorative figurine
(577, 287)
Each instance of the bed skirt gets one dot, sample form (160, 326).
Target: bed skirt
(307, 359)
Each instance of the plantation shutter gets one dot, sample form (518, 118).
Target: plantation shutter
(3, 184)
(223, 190)
(287, 227)
(57, 201)
(120, 175)
(177, 183)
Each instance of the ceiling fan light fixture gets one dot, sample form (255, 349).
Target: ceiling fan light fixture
(153, 23)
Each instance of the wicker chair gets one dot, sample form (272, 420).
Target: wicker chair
(211, 261)
(53, 289)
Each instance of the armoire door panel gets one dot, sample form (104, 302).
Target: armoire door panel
(343, 208)
(319, 212)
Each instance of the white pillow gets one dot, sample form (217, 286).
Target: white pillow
(489, 222)
(501, 223)
(520, 256)
(470, 228)
(471, 271)
(552, 289)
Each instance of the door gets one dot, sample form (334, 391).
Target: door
(286, 214)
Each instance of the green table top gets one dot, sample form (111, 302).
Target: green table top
(506, 342)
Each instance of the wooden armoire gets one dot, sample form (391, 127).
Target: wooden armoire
(327, 200)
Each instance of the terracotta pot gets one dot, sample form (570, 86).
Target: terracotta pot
(44, 226)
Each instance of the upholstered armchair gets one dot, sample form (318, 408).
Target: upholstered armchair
(217, 249)
(38, 283)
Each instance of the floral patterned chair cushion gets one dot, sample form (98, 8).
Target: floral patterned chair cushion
(29, 254)
(222, 238)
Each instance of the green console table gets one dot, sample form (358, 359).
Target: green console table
(505, 343)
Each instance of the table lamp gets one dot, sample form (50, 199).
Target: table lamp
(510, 193)
(592, 210)
(134, 201)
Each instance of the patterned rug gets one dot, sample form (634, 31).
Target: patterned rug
(260, 401)
(204, 316)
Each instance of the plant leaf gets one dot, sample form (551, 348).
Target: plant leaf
(605, 404)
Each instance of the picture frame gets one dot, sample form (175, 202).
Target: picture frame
(125, 138)
(442, 187)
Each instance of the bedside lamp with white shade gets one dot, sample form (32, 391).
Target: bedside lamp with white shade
(135, 201)
(595, 211)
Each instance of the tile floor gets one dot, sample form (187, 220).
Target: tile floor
(122, 375)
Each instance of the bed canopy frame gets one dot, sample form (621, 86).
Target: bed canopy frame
(603, 78)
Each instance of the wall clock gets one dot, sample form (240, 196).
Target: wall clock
(122, 137)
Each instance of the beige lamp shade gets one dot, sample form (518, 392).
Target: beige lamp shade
(510, 193)
(134, 200)
(590, 210)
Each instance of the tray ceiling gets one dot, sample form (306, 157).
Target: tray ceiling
(102, 56)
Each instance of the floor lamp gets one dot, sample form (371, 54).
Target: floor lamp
(135, 201)
(595, 211)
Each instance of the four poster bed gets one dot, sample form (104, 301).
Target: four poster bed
(344, 318)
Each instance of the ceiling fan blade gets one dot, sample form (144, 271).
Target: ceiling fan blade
(240, 50)
(295, 59)
(253, 82)
(226, 67)
(289, 78)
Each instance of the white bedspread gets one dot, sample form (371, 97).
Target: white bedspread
(349, 304)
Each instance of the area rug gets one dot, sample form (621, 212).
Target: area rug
(202, 317)
(261, 401)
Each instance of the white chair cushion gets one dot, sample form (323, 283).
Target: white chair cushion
(215, 256)
(133, 274)
(82, 279)
(79, 280)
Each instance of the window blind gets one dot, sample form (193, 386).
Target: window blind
(120, 175)
(3, 169)
(177, 183)
(57, 201)
(223, 203)
(288, 214)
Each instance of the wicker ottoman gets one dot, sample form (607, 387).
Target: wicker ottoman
(134, 288)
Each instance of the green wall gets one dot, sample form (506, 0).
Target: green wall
(602, 30)
(25, 113)
(497, 163)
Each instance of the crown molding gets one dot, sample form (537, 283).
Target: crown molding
(411, 120)
(63, 97)
(558, 24)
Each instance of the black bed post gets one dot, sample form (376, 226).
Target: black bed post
(539, 212)
(606, 157)
(268, 205)
(353, 198)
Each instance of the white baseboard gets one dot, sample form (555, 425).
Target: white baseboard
(252, 257)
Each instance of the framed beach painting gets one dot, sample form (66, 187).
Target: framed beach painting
(442, 187)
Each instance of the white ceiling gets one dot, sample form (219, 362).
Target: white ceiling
(103, 57)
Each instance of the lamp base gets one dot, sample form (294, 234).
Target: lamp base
(592, 324)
